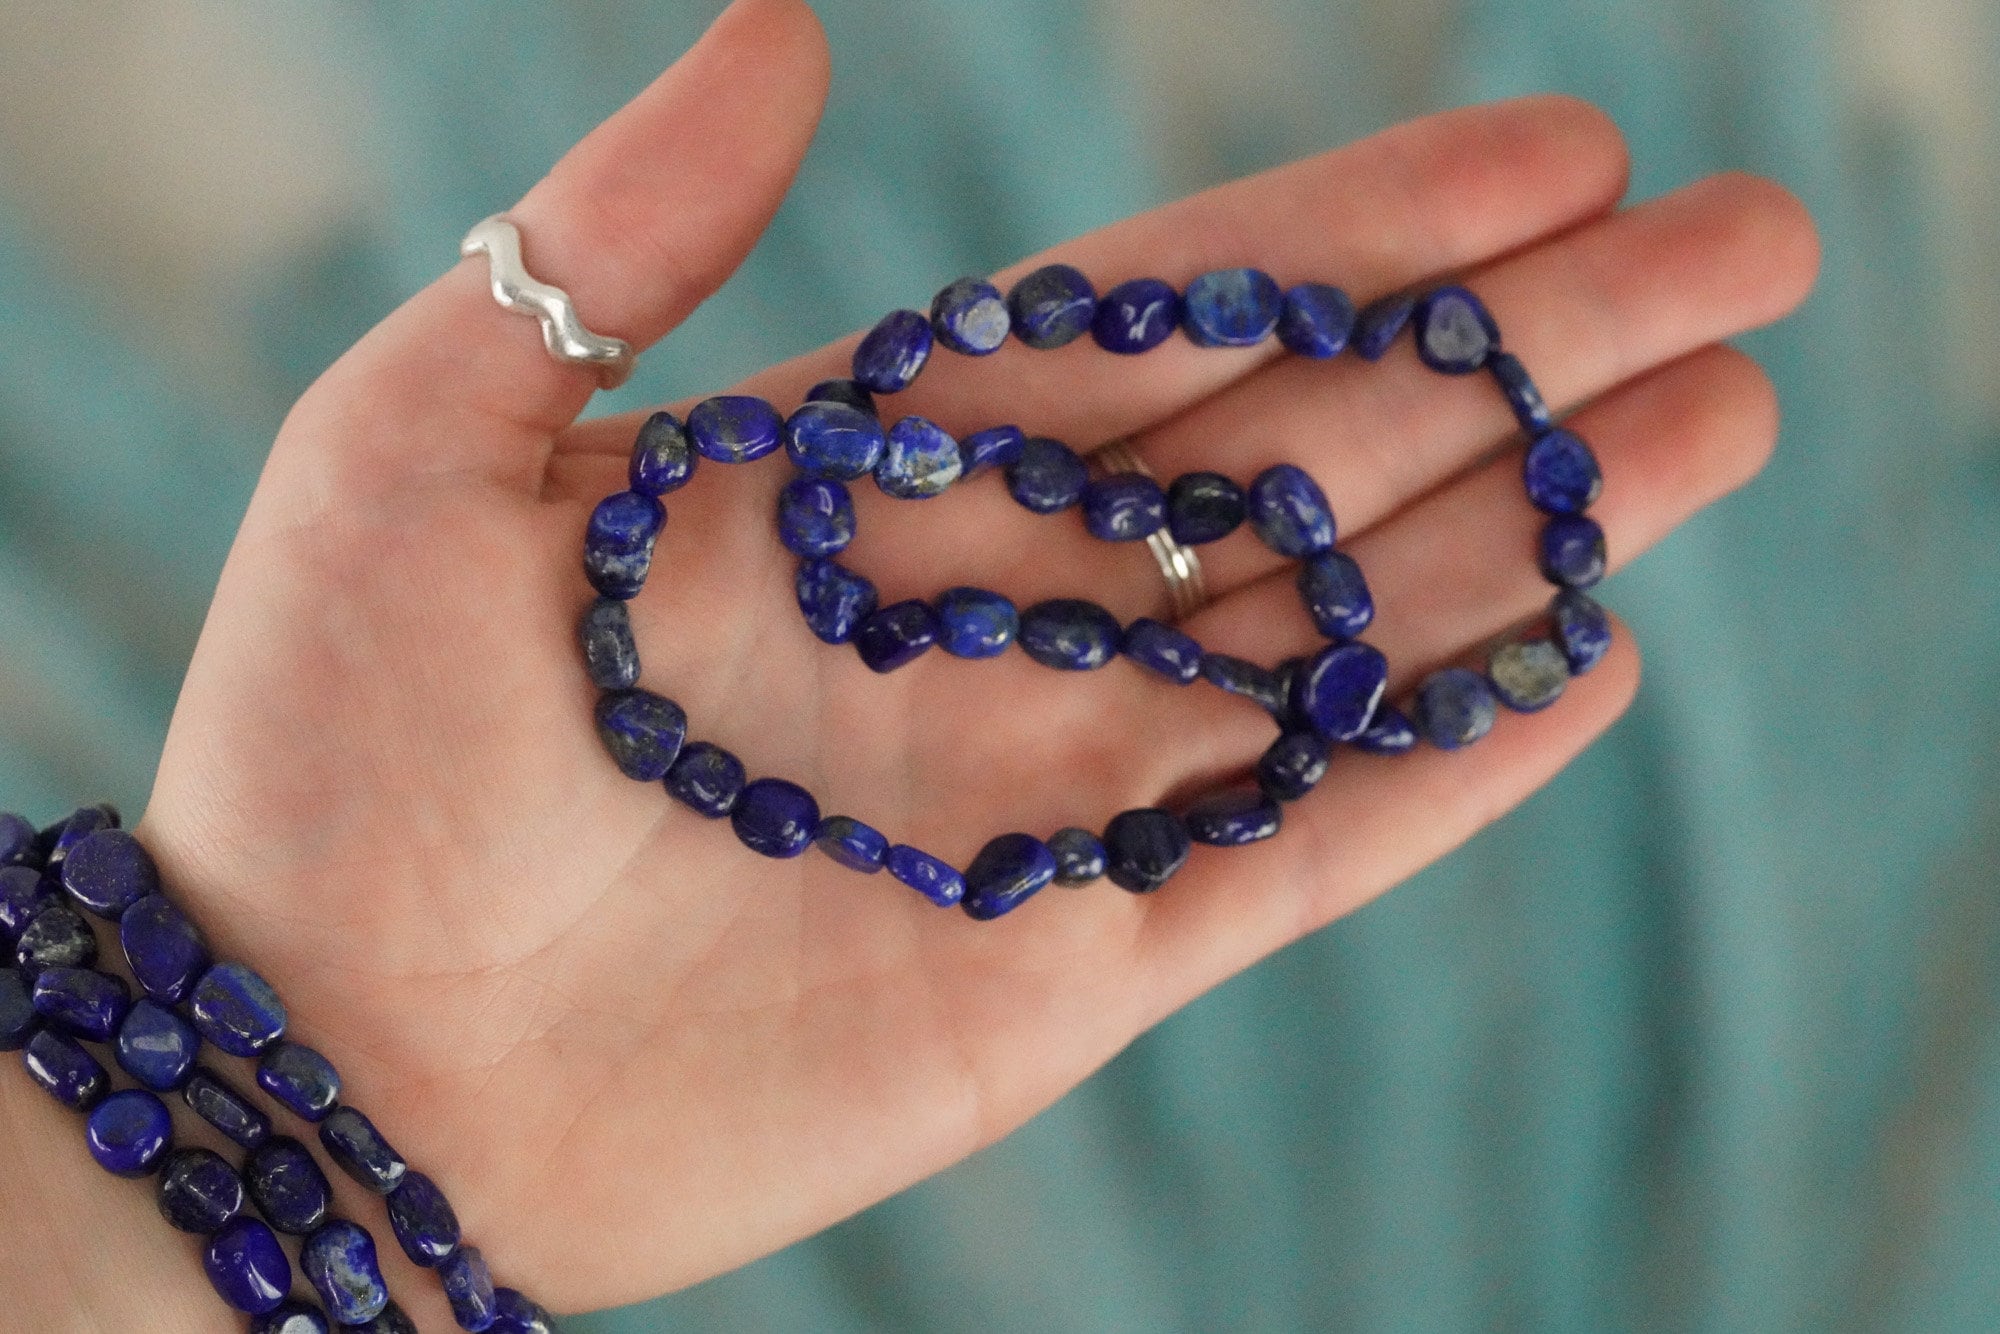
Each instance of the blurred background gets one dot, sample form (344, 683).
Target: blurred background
(1705, 1037)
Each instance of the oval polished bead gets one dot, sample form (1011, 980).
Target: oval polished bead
(920, 461)
(129, 1132)
(24, 891)
(1143, 849)
(775, 817)
(1581, 628)
(1455, 332)
(970, 316)
(936, 880)
(1336, 594)
(1070, 634)
(17, 1009)
(815, 516)
(1238, 676)
(1293, 764)
(833, 599)
(198, 1190)
(517, 1314)
(1079, 856)
(82, 1002)
(1161, 648)
(290, 1317)
(156, 1046)
(300, 1078)
(1231, 308)
(1339, 688)
(994, 447)
(17, 840)
(1376, 327)
(610, 654)
(618, 543)
(285, 1183)
(75, 827)
(1007, 872)
(359, 1150)
(834, 440)
(1136, 316)
(339, 1261)
(165, 950)
(855, 845)
(1454, 707)
(468, 1286)
(663, 457)
(734, 428)
(975, 622)
(64, 1070)
(1527, 674)
(1530, 409)
(706, 778)
(890, 356)
(391, 1321)
(896, 635)
(642, 731)
(1389, 732)
(234, 1008)
(215, 1101)
(1124, 507)
(1289, 513)
(246, 1266)
(842, 391)
(1204, 507)
(56, 937)
(108, 872)
(1571, 552)
(1052, 306)
(425, 1224)
(1047, 477)
(1560, 473)
(1316, 320)
(1232, 817)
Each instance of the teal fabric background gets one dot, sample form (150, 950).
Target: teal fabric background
(1704, 1037)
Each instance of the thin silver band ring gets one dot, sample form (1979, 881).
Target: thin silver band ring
(517, 290)
(1186, 588)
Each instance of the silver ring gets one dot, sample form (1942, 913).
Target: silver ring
(517, 290)
(1185, 587)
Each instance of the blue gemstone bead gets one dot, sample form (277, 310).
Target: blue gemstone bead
(1136, 316)
(1047, 477)
(815, 516)
(1144, 848)
(156, 1046)
(1293, 765)
(64, 1070)
(1240, 677)
(1232, 817)
(339, 1260)
(235, 1009)
(285, 1182)
(391, 1321)
(842, 391)
(519, 1315)
(290, 1317)
(1231, 308)
(921, 461)
(1070, 634)
(706, 778)
(975, 622)
(17, 1009)
(1079, 856)
(17, 840)
(890, 355)
(357, 1147)
(610, 654)
(1455, 333)
(1161, 648)
(82, 1002)
(1052, 306)
(217, 1103)
(1337, 691)
(834, 599)
(108, 872)
(642, 731)
(896, 635)
(937, 881)
(56, 937)
(198, 1191)
(1528, 674)
(1376, 327)
(1316, 321)
(970, 316)
(1581, 628)
(834, 440)
(425, 1224)
(1530, 409)
(75, 827)
(734, 428)
(1561, 474)
(1289, 512)
(1005, 874)
(857, 846)
(1454, 707)
(1572, 554)
(468, 1286)
(129, 1132)
(1389, 732)
(618, 544)
(994, 447)
(663, 457)
(1125, 507)
(1204, 507)
(775, 817)
(166, 951)
(24, 891)
(1336, 594)
(247, 1266)
(300, 1078)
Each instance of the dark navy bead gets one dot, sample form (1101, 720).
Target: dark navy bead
(994, 447)
(468, 1286)
(1005, 874)
(734, 428)
(890, 355)
(643, 732)
(198, 1191)
(970, 316)
(1134, 317)
(82, 1002)
(857, 846)
(975, 622)
(1316, 321)
(166, 952)
(1293, 765)
(1338, 689)
(56, 937)
(65, 1071)
(108, 872)
(1051, 306)
(357, 1147)
(215, 1102)
(1289, 512)
(1336, 595)
(1079, 856)
(285, 1182)
(236, 1010)
(1070, 634)
(1204, 507)
(1143, 849)
(1455, 333)
(1581, 628)
(815, 516)
(1530, 408)
(1240, 677)
(17, 840)
(834, 599)
(610, 654)
(1561, 474)
(519, 1315)
(391, 1321)
(1231, 817)
(1124, 507)
(921, 461)
(1047, 477)
(247, 1266)
(1389, 732)
(17, 1009)
(129, 1132)
(1527, 674)
(663, 457)
(24, 891)
(842, 391)
(339, 1260)
(937, 881)
(156, 1046)
(290, 1317)
(1376, 327)
(1231, 308)
(1161, 648)
(896, 635)
(1571, 552)
(834, 440)
(618, 544)
(1454, 708)
(75, 827)
(425, 1224)
(775, 817)
(300, 1078)
(707, 778)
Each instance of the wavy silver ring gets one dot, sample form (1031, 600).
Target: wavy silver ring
(517, 290)
(1186, 588)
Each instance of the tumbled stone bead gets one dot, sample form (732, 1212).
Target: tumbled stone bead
(857, 846)
(775, 817)
(290, 1317)
(1389, 732)
(815, 516)
(1336, 594)
(994, 447)
(1293, 764)
(1376, 327)
(1231, 308)
(1052, 306)
(1232, 817)
(618, 543)
(936, 880)
(663, 457)
(1047, 477)
(1143, 848)
(64, 1070)
(889, 356)
(1204, 507)
(1454, 707)
(1571, 552)
(1136, 316)
(17, 840)
(516, 1314)
(217, 1103)
(975, 622)
(1528, 674)
(357, 1147)
(24, 891)
(1581, 628)
(834, 440)
(1530, 409)
(75, 827)
(610, 654)
(1289, 513)
(468, 1286)
(82, 1002)
(129, 1132)
(1070, 634)
(339, 1261)
(1006, 873)
(1124, 507)
(108, 872)
(391, 1321)
(896, 635)
(300, 1078)
(1339, 688)
(842, 391)
(1239, 676)
(1161, 648)
(17, 1009)
(246, 1265)
(734, 428)
(156, 1046)
(920, 461)
(707, 779)
(833, 599)
(1560, 473)
(1455, 332)
(642, 731)
(56, 937)
(970, 316)
(1316, 321)
(236, 1009)
(285, 1182)
(198, 1190)
(165, 950)
(1079, 856)
(425, 1224)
